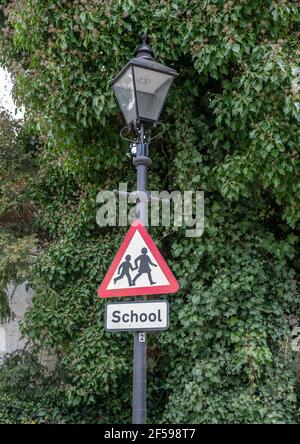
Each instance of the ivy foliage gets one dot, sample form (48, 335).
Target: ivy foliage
(16, 208)
(232, 129)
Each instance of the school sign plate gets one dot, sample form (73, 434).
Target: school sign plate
(137, 315)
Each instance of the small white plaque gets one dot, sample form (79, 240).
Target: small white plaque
(137, 316)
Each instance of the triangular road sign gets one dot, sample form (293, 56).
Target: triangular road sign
(138, 268)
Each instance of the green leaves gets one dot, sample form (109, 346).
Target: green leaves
(232, 129)
(16, 208)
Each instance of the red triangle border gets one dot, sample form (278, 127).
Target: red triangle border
(173, 285)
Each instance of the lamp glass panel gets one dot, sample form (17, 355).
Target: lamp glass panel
(124, 91)
(151, 90)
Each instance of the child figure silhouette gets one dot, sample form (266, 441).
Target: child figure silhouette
(144, 266)
(124, 270)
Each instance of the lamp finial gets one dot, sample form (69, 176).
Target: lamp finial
(144, 38)
(144, 49)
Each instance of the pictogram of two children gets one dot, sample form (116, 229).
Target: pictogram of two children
(143, 267)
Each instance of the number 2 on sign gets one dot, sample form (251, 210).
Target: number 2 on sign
(142, 337)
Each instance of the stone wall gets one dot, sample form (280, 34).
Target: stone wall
(10, 337)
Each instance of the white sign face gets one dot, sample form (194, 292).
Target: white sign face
(137, 315)
(138, 267)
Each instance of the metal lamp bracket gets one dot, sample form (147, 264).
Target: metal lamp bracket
(134, 130)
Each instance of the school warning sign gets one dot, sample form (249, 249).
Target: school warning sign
(138, 268)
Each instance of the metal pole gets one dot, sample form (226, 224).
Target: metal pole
(139, 401)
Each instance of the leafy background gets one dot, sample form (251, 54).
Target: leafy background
(232, 129)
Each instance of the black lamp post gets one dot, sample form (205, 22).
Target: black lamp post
(141, 88)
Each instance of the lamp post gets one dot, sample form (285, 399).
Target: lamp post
(141, 89)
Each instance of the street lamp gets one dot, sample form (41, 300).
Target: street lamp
(141, 88)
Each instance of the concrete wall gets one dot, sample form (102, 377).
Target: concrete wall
(10, 337)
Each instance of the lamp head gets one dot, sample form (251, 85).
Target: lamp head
(142, 86)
